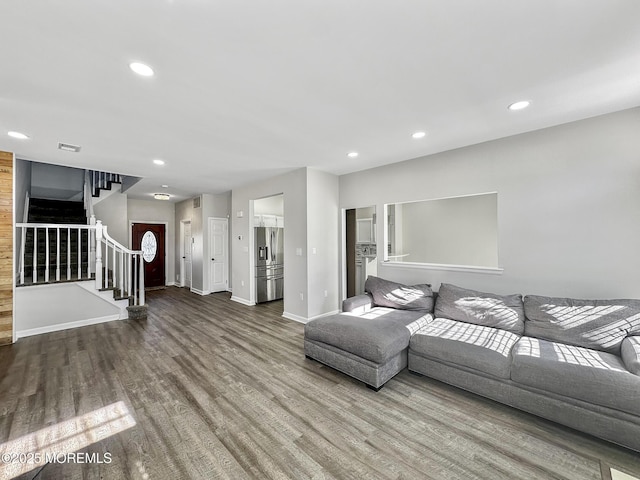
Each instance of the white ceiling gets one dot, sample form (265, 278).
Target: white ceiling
(247, 89)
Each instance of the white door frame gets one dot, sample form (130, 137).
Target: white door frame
(182, 252)
(226, 249)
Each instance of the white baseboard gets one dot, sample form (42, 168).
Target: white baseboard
(298, 318)
(294, 317)
(65, 326)
(328, 314)
(243, 301)
(200, 292)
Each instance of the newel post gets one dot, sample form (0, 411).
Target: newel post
(98, 255)
(92, 245)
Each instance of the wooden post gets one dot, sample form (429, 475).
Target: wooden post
(7, 274)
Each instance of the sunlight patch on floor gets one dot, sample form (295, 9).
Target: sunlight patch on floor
(35, 449)
(618, 475)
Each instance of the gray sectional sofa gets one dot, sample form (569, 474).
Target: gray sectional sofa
(576, 362)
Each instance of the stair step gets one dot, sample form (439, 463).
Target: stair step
(42, 210)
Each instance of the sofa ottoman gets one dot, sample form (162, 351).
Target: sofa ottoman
(369, 340)
(371, 347)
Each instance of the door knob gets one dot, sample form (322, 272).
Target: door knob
(213, 259)
(184, 257)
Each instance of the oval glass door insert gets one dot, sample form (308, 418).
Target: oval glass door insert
(149, 246)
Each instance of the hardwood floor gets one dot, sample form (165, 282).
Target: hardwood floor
(208, 388)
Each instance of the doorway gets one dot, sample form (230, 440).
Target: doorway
(360, 249)
(150, 238)
(267, 256)
(186, 243)
(218, 247)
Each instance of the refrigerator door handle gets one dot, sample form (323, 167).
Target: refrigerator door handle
(273, 241)
(266, 255)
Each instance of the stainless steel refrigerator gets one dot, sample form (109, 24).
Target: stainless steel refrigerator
(269, 243)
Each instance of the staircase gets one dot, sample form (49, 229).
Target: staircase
(55, 251)
(58, 246)
(102, 181)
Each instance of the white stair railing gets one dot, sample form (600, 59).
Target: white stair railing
(126, 266)
(119, 268)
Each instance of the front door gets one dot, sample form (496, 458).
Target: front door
(218, 236)
(149, 237)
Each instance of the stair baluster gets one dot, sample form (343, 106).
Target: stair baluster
(46, 255)
(126, 276)
(57, 254)
(35, 255)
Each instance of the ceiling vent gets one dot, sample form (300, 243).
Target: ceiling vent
(67, 147)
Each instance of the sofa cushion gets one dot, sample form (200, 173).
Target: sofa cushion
(376, 336)
(390, 294)
(597, 324)
(487, 309)
(589, 375)
(481, 348)
(631, 354)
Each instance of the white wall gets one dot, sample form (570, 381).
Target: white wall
(213, 206)
(22, 176)
(47, 308)
(156, 211)
(183, 211)
(294, 187)
(311, 221)
(323, 240)
(112, 211)
(269, 206)
(568, 206)
(210, 206)
(56, 182)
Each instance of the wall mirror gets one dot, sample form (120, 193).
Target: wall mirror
(456, 231)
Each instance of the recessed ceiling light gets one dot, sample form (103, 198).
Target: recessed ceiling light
(419, 134)
(141, 69)
(161, 196)
(352, 154)
(519, 105)
(18, 135)
(157, 161)
(164, 186)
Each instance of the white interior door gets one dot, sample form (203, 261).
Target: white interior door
(218, 247)
(187, 242)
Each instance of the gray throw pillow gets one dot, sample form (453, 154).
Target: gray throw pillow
(390, 294)
(488, 309)
(597, 324)
(631, 354)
